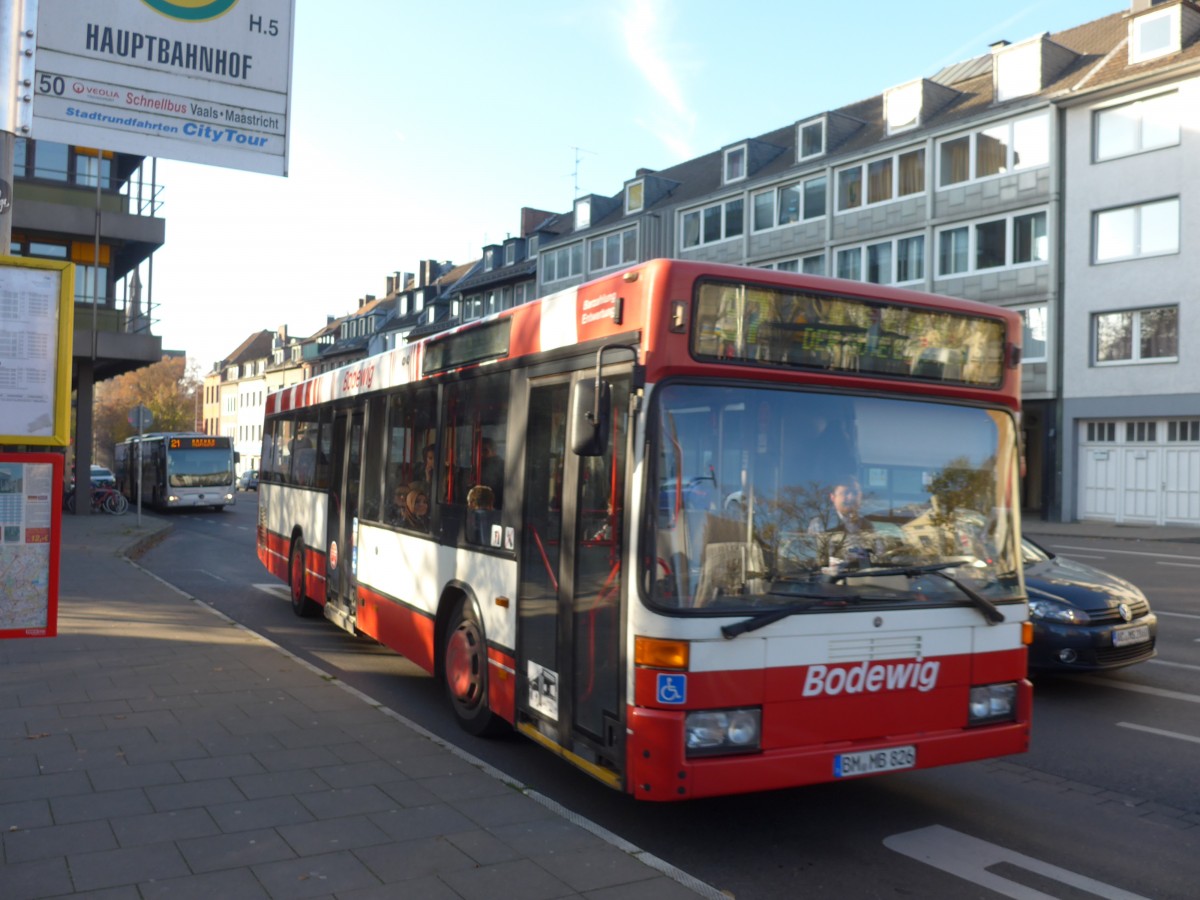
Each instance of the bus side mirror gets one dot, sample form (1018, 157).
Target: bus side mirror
(592, 415)
(237, 457)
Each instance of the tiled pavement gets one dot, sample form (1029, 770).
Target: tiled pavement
(156, 749)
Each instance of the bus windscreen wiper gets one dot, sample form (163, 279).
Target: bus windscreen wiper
(767, 618)
(982, 603)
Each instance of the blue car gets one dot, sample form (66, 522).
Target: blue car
(1084, 620)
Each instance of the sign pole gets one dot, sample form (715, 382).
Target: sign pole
(16, 95)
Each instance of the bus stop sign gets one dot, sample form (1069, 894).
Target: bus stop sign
(140, 417)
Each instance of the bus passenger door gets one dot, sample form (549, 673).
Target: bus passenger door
(569, 600)
(345, 478)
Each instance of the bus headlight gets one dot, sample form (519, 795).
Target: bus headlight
(991, 703)
(713, 731)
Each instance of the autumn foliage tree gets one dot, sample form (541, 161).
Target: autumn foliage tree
(166, 388)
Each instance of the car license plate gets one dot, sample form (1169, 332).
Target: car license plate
(1135, 635)
(871, 762)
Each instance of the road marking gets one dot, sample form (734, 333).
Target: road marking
(1170, 734)
(1127, 552)
(1099, 556)
(1163, 662)
(211, 575)
(276, 590)
(1159, 612)
(1136, 688)
(969, 858)
(1181, 565)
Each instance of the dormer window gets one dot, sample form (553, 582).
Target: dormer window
(583, 213)
(902, 107)
(1154, 34)
(510, 254)
(1018, 70)
(810, 139)
(531, 246)
(635, 196)
(735, 163)
(489, 260)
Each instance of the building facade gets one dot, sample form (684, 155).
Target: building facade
(66, 202)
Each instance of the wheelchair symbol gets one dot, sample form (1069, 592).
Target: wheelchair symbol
(672, 688)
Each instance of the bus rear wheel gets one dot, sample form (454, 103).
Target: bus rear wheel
(465, 671)
(301, 604)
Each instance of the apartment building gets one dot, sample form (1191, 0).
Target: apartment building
(1130, 381)
(66, 200)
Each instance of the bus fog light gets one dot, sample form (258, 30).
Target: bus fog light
(993, 703)
(716, 731)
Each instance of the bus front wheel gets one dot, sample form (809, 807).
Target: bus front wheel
(465, 671)
(301, 604)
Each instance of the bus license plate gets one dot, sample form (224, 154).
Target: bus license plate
(870, 762)
(1136, 635)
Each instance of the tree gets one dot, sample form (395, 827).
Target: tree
(167, 388)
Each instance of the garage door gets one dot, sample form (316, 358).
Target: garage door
(1140, 472)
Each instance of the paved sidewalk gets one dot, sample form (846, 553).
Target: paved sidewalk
(157, 749)
(1036, 529)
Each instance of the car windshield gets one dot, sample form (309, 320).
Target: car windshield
(768, 499)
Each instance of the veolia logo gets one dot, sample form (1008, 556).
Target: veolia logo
(191, 10)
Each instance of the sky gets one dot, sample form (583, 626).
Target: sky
(420, 129)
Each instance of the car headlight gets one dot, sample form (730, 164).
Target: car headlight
(1056, 611)
(713, 731)
(991, 703)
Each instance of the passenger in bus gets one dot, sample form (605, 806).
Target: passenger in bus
(491, 471)
(844, 513)
(398, 505)
(480, 514)
(430, 464)
(416, 506)
(481, 498)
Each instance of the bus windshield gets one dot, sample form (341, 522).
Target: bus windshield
(766, 498)
(199, 468)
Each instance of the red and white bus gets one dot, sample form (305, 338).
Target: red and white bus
(697, 529)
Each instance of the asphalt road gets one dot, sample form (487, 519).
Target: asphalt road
(1105, 804)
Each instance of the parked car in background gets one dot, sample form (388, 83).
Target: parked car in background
(248, 480)
(102, 477)
(1084, 619)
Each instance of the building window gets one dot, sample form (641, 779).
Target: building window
(735, 164)
(1183, 430)
(1033, 344)
(902, 107)
(1141, 432)
(1154, 35)
(1146, 124)
(884, 262)
(583, 213)
(510, 254)
(1133, 336)
(801, 200)
(1008, 147)
(635, 196)
(1018, 71)
(611, 250)
(810, 139)
(489, 260)
(562, 262)
(764, 210)
(887, 179)
(1101, 432)
(1011, 241)
(716, 222)
(1130, 232)
(813, 265)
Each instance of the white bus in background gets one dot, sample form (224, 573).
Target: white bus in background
(184, 469)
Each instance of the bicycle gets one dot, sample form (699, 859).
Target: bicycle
(104, 499)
